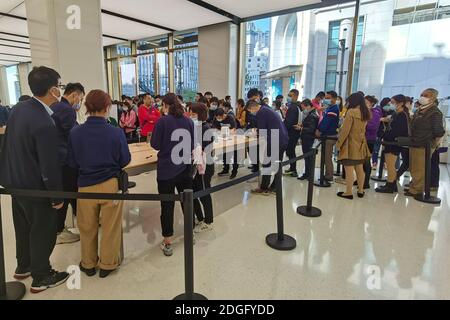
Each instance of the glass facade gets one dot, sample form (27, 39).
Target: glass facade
(143, 66)
(12, 78)
(331, 75)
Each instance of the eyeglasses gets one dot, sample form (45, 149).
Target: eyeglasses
(61, 86)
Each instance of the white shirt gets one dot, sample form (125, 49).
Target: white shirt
(46, 107)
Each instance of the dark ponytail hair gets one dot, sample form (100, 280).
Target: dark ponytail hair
(356, 100)
(175, 107)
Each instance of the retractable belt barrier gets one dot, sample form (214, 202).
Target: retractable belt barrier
(322, 182)
(279, 241)
(425, 196)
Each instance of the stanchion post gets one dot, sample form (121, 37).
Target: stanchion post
(380, 176)
(188, 206)
(8, 290)
(426, 196)
(309, 210)
(322, 182)
(279, 240)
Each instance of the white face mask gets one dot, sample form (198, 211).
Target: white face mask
(424, 101)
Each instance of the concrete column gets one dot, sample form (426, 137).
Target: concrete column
(218, 60)
(67, 35)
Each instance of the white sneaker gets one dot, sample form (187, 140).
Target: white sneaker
(67, 237)
(202, 227)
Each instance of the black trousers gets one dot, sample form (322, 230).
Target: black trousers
(70, 184)
(227, 161)
(181, 182)
(265, 180)
(290, 151)
(405, 162)
(35, 228)
(202, 183)
(367, 164)
(307, 144)
(435, 171)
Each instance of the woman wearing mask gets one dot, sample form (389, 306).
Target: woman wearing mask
(205, 216)
(427, 126)
(352, 144)
(99, 152)
(213, 106)
(399, 124)
(171, 174)
(371, 133)
(382, 128)
(128, 121)
(240, 113)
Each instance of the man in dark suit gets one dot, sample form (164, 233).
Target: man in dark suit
(29, 160)
(65, 117)
(292, 122)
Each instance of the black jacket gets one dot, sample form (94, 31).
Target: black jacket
(29, 157)
(426, 125)
(310, 124)
(291, 120)
(229, 120)
(65, 118)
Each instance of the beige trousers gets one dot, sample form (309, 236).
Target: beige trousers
(417, 169)
(89, 213)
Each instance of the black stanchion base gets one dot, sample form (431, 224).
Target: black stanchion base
(131, 184)
(313, 212)
(14, 291)
(337, 174)
(375, 178)
(288, 243)
(322, 184)
(430, 199)
(195, 297)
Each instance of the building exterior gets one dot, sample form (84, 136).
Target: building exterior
(401, 47)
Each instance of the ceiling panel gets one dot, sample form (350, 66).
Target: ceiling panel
(12, 25)
(248, 8)
(13, 44)
(8, 5)
(127, 29)
(174, 14)
(13, 58)
(9, 50)
(110, 41)
(7, 63)
(20, 10)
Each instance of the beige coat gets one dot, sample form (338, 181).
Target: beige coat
(352, 143)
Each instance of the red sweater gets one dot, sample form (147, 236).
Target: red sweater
(147, 119)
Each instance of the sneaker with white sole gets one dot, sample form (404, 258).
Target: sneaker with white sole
(52, 280)
(202, 227)
(67, 237)
(22, 274)
(167, 249)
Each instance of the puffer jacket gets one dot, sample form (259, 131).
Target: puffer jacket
(427, 126)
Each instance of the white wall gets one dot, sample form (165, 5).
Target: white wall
(415, 61)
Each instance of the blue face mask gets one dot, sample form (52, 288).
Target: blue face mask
(389, 107)
(289, 99)
(327, 102)
(305, 112)
(77, 106)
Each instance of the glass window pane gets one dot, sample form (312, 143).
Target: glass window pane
(186, 73)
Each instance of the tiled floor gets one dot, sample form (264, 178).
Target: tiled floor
(403, 243)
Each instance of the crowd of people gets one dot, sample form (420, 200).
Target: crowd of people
(44, 148)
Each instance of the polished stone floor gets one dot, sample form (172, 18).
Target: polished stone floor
(379, 247)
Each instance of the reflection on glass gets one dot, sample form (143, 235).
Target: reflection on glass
(186, 73)
(128, 77)
(12, 77)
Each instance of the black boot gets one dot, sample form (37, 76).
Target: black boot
(389, 187)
